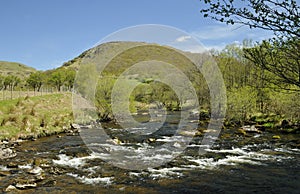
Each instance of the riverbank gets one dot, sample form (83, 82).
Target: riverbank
(34, 117)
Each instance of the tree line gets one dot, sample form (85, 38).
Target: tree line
(54, 79)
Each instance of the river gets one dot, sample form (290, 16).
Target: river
(234, 164)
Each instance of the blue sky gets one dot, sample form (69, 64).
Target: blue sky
(44, 34)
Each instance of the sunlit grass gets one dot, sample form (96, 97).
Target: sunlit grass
(35, 116)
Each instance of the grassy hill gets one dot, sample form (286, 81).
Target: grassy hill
(107, 48)
(12, 68)
(125, 53)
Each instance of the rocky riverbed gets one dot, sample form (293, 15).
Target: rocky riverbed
(240, 161)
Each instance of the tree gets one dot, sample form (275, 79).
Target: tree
(280, 16)
(57, 79)
(69, 79)
(10, 82)
(279, 55)
(35, 80)
(282, 59)
(103, 98)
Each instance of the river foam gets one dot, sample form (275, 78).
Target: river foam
(215, 158)
(92, 181)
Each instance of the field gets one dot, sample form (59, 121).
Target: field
(32, 117)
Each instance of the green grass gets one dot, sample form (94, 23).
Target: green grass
(17, 69)
(35, 116)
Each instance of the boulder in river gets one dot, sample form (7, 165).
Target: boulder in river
(36, 170)
(250, 129)
(77, 152)
(25, 185)
(12, 165)
(10, 188)
(7, 153)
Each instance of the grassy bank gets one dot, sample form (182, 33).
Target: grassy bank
(32, 117)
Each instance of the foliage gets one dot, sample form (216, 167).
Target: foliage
(35, 80)
(57, 79)
(103, 98)
(69, 79)
(11, 81)
(281, 16)
(249, 85)
(241, 102)
(281, 58)
(279, 55)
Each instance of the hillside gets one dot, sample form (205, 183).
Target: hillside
(12, 68)
(132, 52)
(107, 48)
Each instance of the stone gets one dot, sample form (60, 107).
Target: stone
(276, 137)
(250, 129)
(116, 141)
(7, 153)
(25, 185)
(77, 152)
(36, 170)
(12, 165)
(39, 178)
(75, 126)
(10, 188)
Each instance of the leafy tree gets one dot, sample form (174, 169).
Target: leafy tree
(103, 98)
(57, 79)
(279, 55)
(35, 80)
(11, 81)
(69, 79)
(241, 102)
(280, 16)
(282, 59)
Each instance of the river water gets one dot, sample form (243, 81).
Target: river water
(234, 164)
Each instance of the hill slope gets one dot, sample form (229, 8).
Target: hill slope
(12, 68)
